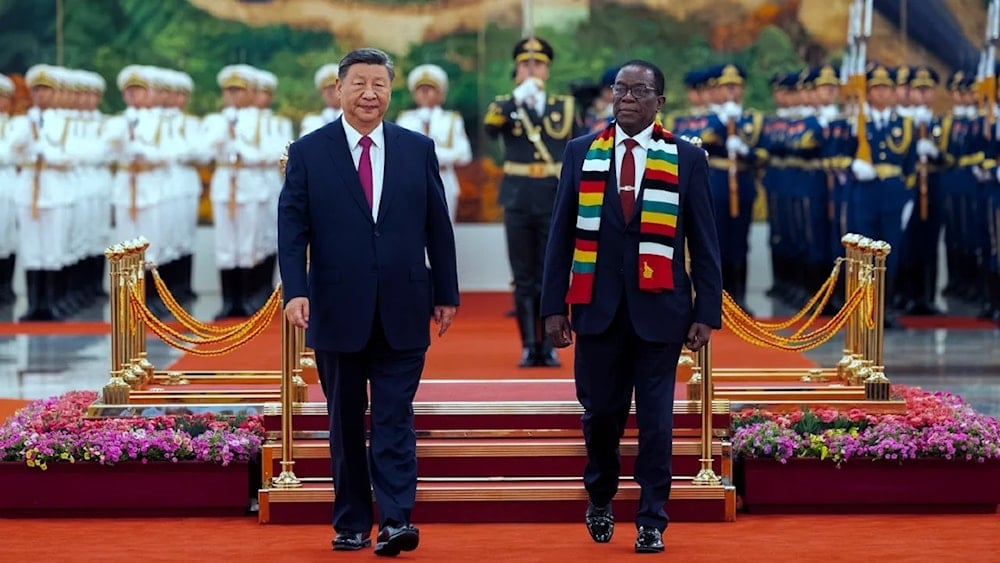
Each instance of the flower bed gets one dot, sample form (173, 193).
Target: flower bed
(56, 462)
(56, 430)
(938, 425)
(939, 456)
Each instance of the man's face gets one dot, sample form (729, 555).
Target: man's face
(427, 96)
(531, 68)
(330, 96)
(262, 99)
(923, 95)
(880, 96)
(902, 95)
(136, 96)
(693, 97)
(827, 94)
(365, 93)
(635, 113)
(43, 96)
(236, 97)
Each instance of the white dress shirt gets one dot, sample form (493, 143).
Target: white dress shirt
(645, 139)
(377, 152)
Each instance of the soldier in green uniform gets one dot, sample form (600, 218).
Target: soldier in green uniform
(534, 127)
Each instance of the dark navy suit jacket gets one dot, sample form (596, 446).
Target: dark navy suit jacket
(359, 267)
(657, 317)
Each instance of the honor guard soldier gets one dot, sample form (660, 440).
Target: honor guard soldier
(776, 188)
(184, 129)
(882, 197)
(687, 123)
(964, 153)
(988, 212)
(234, 136)
(918, 266)
(534, 127)
(428, 85)
(326, 83)
(42, 193)
(901, 76)
(731, 138)
(8, 217)
(275, 134)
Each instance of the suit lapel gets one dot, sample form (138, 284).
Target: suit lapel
(391, 175)
(343, 163)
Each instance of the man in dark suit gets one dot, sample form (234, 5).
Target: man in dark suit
(534, 127)
(365, 198)
(616, 254)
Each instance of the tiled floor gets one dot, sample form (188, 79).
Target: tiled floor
(966, 362)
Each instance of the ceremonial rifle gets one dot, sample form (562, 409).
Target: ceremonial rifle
(863, 15)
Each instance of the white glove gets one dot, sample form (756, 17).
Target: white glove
(526, 90)
(730, 111)
(981, 175)
(922, 115)
(925, 147)
(736, 145)
(863, 171)
(230, 113)
(996, 172)
(424, 114)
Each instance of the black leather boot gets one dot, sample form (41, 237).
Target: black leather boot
(526, 325)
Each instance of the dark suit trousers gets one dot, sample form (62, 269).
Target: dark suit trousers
(389, 464)
(608, 367)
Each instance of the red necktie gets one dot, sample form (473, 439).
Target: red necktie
(626, 180)
(365, 169)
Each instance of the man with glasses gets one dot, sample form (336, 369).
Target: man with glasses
(534, 127)
(632, 201)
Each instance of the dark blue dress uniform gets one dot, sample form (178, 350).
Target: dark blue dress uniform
(775, 183)
(733, 229)
(533, 147)
(805, 145)
(964, 149)
(877, 207)
(918, 271)
(989, 219)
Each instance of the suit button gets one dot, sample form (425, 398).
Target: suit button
(378, 233)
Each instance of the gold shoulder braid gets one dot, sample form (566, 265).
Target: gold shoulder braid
(904, 134)
(562, 120)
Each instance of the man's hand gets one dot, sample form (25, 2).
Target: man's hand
(297, 311)
(558, 330)
(443, 316)
(698, 335)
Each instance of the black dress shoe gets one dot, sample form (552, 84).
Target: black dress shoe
(528, 357)
(351, 541)
(394, 539)
(600, 522)
(649, 540)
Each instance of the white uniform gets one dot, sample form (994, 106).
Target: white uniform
(8, 178)
(314, 121)
(451, 144)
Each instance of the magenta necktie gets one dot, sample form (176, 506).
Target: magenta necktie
(365, 169)
(626, 180)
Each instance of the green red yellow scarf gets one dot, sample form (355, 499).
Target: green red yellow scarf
(660, 203)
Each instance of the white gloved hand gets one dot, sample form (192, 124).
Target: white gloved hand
(922, 115)
(730, 111)
(736, 145)
(863, 171)
(424, 114)
(981, 175)
(926, 148)
(996, 172)
(230, 113)
(526, 90)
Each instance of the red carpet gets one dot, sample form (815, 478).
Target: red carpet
(751, 538)
(483, 344)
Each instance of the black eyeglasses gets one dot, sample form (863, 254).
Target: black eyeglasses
(639, 91)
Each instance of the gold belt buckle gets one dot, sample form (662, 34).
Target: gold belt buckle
(536, 170)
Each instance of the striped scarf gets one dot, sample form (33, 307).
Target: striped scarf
(660, 202)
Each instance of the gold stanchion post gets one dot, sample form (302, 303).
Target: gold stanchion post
(860, 367)
(706, 476)
(131, 373)
(142, 360)
(849, 241)
(289, 361)
(877, 385)
(116, 391)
